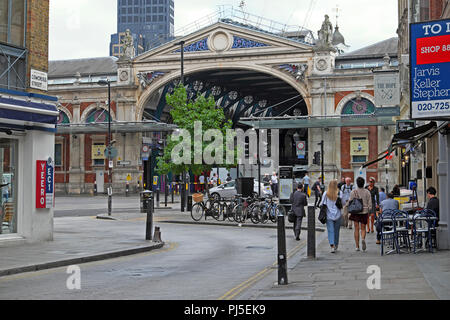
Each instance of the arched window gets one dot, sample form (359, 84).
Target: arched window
(63, 118)
(98, 116)
(358, 107)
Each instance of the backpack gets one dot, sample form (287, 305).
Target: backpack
(355, 206)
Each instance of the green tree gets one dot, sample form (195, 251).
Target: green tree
(185, 113)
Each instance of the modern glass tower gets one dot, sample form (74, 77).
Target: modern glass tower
(149, 20)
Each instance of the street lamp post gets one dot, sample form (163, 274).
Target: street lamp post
(183, 189)
(108, 83)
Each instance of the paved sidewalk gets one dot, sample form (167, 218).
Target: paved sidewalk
(344, 275)
(76, 240)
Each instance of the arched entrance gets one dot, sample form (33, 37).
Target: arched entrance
(241, 92)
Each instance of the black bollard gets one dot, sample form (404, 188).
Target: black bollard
(149, 222)
(311, 232)
(282, 258)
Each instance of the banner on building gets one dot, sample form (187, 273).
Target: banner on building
(44, 184)
(429, 70)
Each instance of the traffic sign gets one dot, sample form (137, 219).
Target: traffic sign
(111, 154)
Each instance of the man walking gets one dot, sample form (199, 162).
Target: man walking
(274, 183)
(346, 189)
(317, 192)
(298, 201)
(306, 182)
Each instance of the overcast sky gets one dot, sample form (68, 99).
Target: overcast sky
(82, 28)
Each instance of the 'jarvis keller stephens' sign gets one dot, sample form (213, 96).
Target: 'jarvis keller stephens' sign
(430, 69)
(44, 184)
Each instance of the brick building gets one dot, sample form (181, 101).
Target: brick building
(27, 123)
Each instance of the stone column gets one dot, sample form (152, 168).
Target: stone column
(443, 192)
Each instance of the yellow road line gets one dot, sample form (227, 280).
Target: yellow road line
(229, 295)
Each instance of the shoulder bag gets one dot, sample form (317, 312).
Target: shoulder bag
(323, 213)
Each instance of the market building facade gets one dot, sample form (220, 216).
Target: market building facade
(250, 72)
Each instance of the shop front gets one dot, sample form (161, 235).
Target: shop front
(27, 140)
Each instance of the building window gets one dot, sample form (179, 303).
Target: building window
(8, 180)
(12, 22)
(361, 159)
(98, 153)
(358, 107)
(58, 155)
(98, 116)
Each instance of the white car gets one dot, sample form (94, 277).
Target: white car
(228, 190)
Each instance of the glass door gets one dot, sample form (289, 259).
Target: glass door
(8, 185)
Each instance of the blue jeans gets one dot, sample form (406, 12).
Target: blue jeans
(333, 228)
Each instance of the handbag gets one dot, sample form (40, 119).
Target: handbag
(355, 206)
(339, 203)
(291, 216)
(323, 214)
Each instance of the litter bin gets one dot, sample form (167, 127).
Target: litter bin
(145, 198)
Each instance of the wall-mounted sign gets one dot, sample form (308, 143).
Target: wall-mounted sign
(387, 88)
(38, 80)
(98, 151)
(301, 149)
(44, 184)
(429, 70)
(359, 147)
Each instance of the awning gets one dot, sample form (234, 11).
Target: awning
(116, 127)
(409, 137)
(415, 133)
(18, 114)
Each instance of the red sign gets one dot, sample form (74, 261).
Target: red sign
(433, 50)
(40, 184)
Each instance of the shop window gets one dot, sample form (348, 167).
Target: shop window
(8, 183)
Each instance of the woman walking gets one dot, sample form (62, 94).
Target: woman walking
(360, 219)
(375, 197)
(332, 200)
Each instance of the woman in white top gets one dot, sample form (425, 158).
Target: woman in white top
(334, 216)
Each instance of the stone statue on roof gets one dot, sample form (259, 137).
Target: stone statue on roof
(128, 45)
(326, 34)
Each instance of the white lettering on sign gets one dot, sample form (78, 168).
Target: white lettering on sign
(435, 28)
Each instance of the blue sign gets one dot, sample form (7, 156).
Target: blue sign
(430, 69)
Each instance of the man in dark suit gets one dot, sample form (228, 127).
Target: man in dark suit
(299, 201)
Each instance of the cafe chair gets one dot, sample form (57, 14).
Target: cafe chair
(424, 228)
(401, 230)
(387, 226)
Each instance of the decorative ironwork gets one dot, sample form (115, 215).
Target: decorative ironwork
(216, 91)
(98, 116)
(146, 78)
(358, 107)
(298, 71)
(201, 45)
(241, 43)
